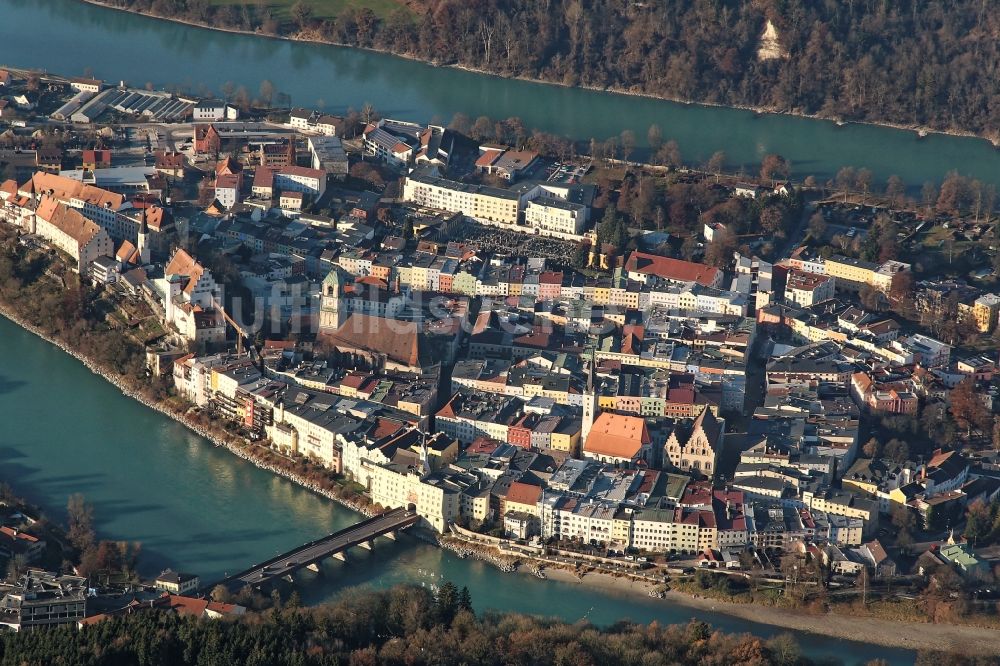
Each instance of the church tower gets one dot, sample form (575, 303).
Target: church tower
(142, 245)
(589, 401)
(331, 312)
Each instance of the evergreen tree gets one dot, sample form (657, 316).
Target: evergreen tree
(465, 599)
(620, 236)
(607, 228)
(446, 603)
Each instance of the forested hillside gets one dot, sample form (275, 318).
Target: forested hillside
(913, 62)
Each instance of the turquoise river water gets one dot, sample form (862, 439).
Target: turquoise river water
(68, 36)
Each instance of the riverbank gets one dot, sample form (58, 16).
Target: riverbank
(308, 38)
(959, 639)
(217, 438)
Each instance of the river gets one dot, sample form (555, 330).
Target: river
(68, 36)
(198, 508)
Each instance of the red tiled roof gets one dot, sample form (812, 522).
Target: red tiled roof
(385, 427)
(93, 619)
(9, 187)
(68, 220)
(187, 605)
(354, 380)
(183, 359)
(224, 609)
(697, 517)
(681, 395)
(939, 458)
(156, 217)
(64, 188)
(372, 280)
(227, 181)
(227, 166)
(671, 269)
(877, 551)
(97, 157)
(17, 535)
(263, 177)
(488, 157)
(169, 160)
(183, 263)
(304, 172)
(126, 252)
(482, 444)
(617, 435)
(697, 494)
(523, 493)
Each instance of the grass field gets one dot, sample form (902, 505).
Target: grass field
(326, 8)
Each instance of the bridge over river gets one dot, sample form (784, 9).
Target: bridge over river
(361, 534)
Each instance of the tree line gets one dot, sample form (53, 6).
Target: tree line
(907, 62)
(403, 625)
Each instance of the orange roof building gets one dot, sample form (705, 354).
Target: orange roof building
(67, 190)
(71, 232)
(618, 439)
(185, 265)
(128, 254)
(641, 265)
(96, 159)
(522, 497)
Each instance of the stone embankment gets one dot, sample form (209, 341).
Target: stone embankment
(464, 549)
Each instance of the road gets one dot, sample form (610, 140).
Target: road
(797, 235)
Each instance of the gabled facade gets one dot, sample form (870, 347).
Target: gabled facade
(696, 450)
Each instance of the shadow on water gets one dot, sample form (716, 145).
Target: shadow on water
(71, 484)
(223, 537)
(8, 385)
(8, 453)
(125, 508)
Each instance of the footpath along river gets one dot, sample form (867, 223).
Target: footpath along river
(69, 36)
(197, 508)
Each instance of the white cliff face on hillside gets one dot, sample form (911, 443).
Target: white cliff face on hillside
(770, 47)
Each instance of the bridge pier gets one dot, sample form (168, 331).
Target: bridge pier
(363, 534)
